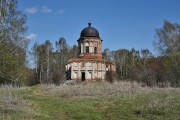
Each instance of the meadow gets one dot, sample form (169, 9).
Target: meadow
(89, 101)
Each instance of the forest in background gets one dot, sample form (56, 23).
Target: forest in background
(50, 58)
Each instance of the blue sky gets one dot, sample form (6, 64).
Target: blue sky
(121, 23)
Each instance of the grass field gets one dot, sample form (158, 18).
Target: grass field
(91, 101)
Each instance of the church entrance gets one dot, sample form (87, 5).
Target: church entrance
(83, 78)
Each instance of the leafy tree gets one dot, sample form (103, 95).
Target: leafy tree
(13, 43)
(62, 56)
(123, 60)
(43, 58)
(168, 38)
(106, 54)
(51, 62)
(168, 44)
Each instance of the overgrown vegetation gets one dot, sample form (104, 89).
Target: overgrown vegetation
(94, 101)
(13, 106)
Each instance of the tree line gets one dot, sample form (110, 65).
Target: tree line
(50, 59)
(142, 66)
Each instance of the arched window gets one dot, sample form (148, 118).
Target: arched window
(95, 50)
(87, 49)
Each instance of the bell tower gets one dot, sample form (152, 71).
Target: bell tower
(90, 43)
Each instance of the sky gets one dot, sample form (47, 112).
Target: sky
(122, 24)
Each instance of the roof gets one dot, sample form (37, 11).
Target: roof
(89, 32)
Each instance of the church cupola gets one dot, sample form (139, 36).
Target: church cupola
(89, 43)
(89, 32)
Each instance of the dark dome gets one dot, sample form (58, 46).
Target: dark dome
(89, 32)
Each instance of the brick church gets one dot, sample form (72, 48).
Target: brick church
(89, 65)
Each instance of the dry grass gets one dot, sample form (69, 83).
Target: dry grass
(93, 100)
(10, 100)
(126, 100)
(92, 89)
(122, 88)
(12, 104)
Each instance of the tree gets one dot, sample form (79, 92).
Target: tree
(51, 62)
(62, 56)
(106, 54)
(168, 44)
(13, 43)
(168, 38)
(123, 60)
(43, 57)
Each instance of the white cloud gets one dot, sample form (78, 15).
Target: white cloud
(46, 9)
(32, 10)
(62, 11)
(32, 36)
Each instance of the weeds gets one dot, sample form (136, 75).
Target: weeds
(100, 101)
(93, 89)
(12, 104)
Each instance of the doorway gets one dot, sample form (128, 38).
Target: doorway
(83, 76)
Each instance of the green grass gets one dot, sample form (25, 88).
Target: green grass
(95, 101)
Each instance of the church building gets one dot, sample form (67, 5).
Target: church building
(89, 65)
